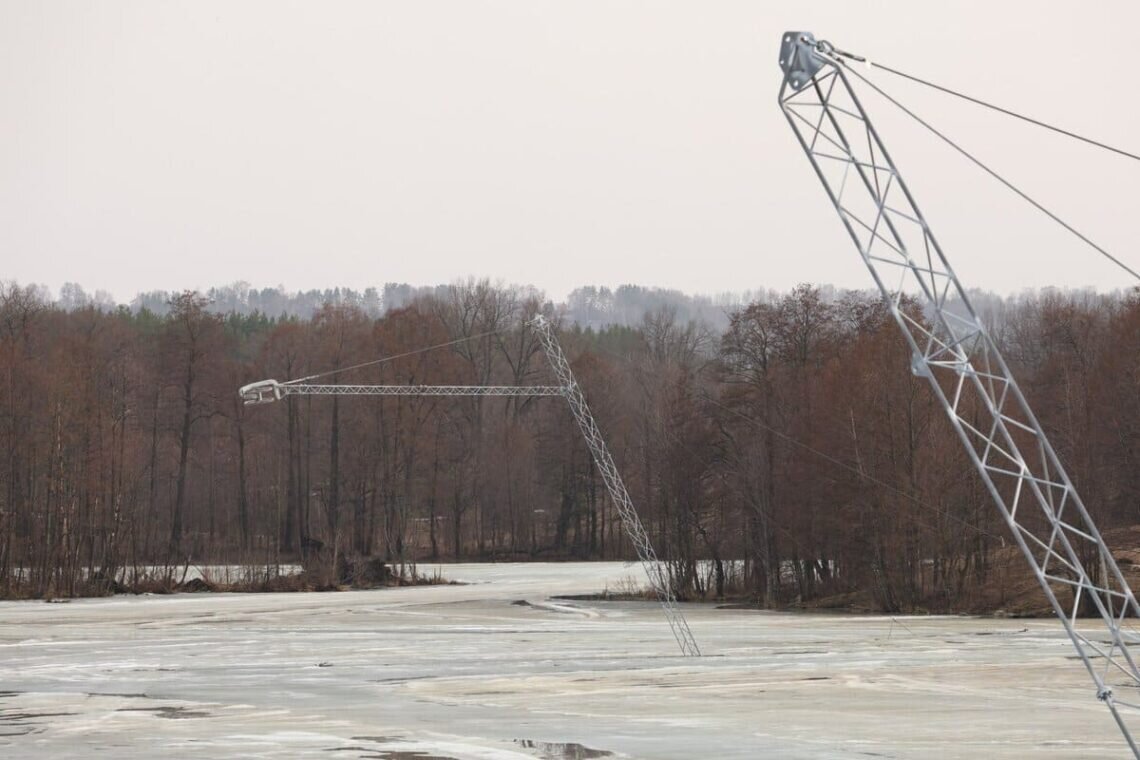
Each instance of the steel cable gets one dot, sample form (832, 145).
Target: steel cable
(851, 468)
(991, 106)
(391, 358)
(984, 167)
(705, 396)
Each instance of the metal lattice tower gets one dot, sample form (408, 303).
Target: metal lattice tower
(658, 577)
(270, 390)
(267, 391)
(967, 373)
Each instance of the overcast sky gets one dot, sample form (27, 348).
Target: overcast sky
(179, 145)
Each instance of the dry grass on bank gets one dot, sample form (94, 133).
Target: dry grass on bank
(317, 576)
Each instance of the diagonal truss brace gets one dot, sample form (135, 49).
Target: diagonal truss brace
(268, 391)
(952, 348)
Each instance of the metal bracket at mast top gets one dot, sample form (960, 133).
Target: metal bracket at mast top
(261, 392)
(799, 58)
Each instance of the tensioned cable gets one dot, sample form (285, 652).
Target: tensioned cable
(707, 398)
(977, 162)
(392, 357)
(824, 455)
(849, 467)
(991, 106)
(786, 531)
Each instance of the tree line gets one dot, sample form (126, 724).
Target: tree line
(788, 456)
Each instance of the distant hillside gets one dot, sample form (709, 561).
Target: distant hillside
(588, 306)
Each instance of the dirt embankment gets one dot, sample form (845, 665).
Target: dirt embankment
(1010, 588)
(350, 573)
(1021, 595)
(343, 574)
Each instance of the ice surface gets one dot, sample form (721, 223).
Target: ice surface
(464, 672)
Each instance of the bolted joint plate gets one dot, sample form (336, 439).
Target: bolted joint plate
(919, 367)
(798, 58)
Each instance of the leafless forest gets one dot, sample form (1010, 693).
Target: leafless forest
(787, 457)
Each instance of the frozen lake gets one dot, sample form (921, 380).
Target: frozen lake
(463, 672)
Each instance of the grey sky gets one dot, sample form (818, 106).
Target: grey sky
(175, 145)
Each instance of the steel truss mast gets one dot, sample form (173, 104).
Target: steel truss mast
(267, 391)
(967, 373)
